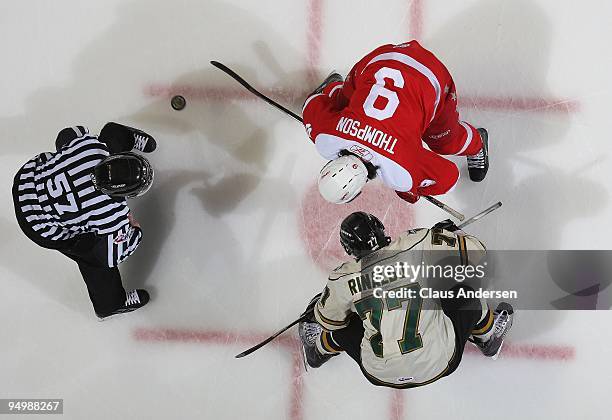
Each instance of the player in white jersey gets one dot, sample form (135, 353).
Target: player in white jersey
(402, 326)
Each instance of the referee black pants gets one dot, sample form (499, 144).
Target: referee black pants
(103, 283)
(464, 314)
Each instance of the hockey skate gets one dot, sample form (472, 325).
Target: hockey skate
(144, 143)
(504, 315)
(332, 78)
(133, 300)
(309, 334)
(310, 331)
(478, 164)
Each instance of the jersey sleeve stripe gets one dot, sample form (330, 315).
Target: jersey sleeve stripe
(84, 166)
(335, 88)
(110, 250)
(26, 186)
(468, 140)
(310, 99)
(93, 201)
(115, 215)
(113, 226)
(50, 232)
(86, 191)
(328, 344)
(330, 321)
(135, 241)
(92, 155)
(82, 180)
(90, 144)
(31, 207)
(486, 327)
(62, 235)
(25, 197)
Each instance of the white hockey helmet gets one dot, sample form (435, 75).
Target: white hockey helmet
(342, 179)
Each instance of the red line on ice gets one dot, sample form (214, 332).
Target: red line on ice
(532, 352)
(397, 405)
(292, 96)
(297, 390)
(205, 336)
(221, 94)
(224, 338)
(517, 103)
(415, 21)
(314, 36)
(396, 408)
(510, 350)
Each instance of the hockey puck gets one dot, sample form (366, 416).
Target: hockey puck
(178, 102)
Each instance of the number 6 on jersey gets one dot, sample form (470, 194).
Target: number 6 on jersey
(379, 90)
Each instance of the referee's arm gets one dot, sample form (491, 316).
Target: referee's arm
(118, 246)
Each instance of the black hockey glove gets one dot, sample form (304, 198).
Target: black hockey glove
(332, 78)
(309, 312)
(447, 224)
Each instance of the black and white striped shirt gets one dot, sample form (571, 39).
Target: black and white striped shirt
(55, 195)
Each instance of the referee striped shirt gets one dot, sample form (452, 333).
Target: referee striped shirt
(55, 196)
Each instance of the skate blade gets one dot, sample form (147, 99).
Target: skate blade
(111, 317)
(496, 355)
(303, 357)
(117, 315)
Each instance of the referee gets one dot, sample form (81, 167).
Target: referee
(74, 201)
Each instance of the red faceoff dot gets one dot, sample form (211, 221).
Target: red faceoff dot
(320, 220)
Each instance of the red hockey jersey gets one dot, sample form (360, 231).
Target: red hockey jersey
(380, 113)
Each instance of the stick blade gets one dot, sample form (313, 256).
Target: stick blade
(480, 215)
(217, 64)
(225, 69)
(251, 350)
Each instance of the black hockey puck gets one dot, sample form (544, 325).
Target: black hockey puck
(178, 102)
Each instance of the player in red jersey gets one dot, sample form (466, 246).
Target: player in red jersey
(375, 123)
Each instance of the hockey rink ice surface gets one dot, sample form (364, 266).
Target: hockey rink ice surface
(236, 237)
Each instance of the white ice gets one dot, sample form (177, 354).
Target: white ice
(236, 242)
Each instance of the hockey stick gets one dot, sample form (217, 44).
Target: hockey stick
(276, 105)
(480, 215)
(272, 337)
(444, 207)
(254, 91)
